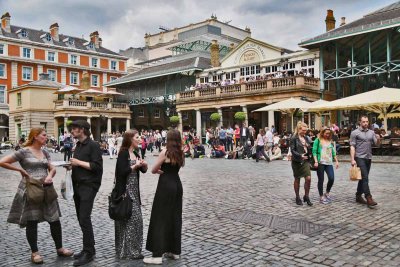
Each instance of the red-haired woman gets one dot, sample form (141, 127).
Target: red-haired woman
(164, 236)
(35, 166)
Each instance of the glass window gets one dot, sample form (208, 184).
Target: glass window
(304, 63)
(157, 113)
(310, 62)
(94, 62)
(95, 80)
(74, 78)
(1, 49)
(48, 37)
(113, 78)
(91, 45)
(43, 125)
(24, 33)
(26, 73)
(26, 52)
(52, 75)
(51, 56)
(74, 60)
(141, 112)
(113, 65)
(292, 65)
(258, 69)
(2, 93)
(2, 70)
(19, 99)
(252, 70)
(71, 41)
(268, 69)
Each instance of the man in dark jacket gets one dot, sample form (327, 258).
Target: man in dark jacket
(87, 171)
(244, 134)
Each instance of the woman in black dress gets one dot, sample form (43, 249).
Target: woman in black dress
(164, 236)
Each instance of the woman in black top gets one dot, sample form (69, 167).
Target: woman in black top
(301, 149)
(129, 233)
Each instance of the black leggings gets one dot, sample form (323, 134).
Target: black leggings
(31, 234)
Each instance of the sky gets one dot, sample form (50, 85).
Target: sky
(123, 23)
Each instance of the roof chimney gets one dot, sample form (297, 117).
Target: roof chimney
(214, 49)
(94, 38)
(330, 20)
(5, 22)
(54, 32)
(100, 42)
(343, 21)
(231, 46)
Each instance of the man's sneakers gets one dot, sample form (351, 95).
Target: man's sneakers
(153, 260)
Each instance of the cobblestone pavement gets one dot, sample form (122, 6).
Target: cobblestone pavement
(237, 213)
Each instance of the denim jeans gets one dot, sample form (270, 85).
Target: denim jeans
(229, 144)
(365, 166)
(261, 150)
(322, 168)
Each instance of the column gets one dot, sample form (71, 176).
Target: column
(56, 132)
(198, 123)
(244, 109)
(128, 124)
(109, 125)
(271, 119)
(65, 124)
(221, 121)
(180, 126)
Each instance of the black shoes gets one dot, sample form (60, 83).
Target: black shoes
(298, 201)
(307, 200)
(78, 255)
(85, 258)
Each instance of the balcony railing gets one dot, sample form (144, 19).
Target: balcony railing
(90, 105)
(250, 88)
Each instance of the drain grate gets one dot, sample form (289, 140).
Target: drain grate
(278, 222)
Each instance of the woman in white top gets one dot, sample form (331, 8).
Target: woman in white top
(260, 142)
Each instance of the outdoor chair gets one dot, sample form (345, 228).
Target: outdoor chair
(344, 145)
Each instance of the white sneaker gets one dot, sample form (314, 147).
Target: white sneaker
(172, 256)
(151, 260)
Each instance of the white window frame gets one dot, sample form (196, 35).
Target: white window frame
(5, 93)
(27, 67)
(55, 76)
(5, 52)
(70, 59)
(31, 55)
(116, 64)
(77, 78)
(55, 56)
(141, 113)
(98, 80)
(157, 113)
(19, 103)
(98, 62)
(4, 72)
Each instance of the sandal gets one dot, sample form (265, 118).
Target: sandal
(63, 252)
(36, 258)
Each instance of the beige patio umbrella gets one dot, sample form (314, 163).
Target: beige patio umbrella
(287, 106)
(68, 90)
(111, 93)
(91, 92)
(383, 101)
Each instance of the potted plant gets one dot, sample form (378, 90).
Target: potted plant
(174, 120)
(240, 116)
(216, 117)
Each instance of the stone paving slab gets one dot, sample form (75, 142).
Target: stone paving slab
(216, 189)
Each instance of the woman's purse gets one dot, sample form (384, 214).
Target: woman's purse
(34, 191)
(119, 207)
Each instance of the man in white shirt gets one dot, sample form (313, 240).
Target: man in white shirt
(270, 139)
(164, 136)
(111, 145)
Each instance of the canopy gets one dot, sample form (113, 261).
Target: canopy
(91, 92)
(68, 90)
(382, 101)
(111, 93)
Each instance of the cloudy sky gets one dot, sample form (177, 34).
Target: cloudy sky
(123, 23)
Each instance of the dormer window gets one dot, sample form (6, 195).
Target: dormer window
(22, 33)
(91, 45)
(69, 41)
(46, 37)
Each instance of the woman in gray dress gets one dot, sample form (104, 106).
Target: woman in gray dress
(36, 168)
(129, 233)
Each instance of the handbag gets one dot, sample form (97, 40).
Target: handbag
(119, 207)
(34, 191)
(355, 173)
(50, 193)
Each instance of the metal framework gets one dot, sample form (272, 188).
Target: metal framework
(198, 45)
(152, 100)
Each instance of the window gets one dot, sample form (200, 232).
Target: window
(95, 62)
(52, 75)
(26, 52)
(1, 49)
(310, 62)
(74, 78)
(230, 75)
(204, 80)
(304, 63)
(113, 78)
(48, 37)
(43, 125)
(3, 73)
(250, 70)
(113, 65)
(51, 56)
(71, 41)
(91, 45)
(2, 93)
(19, 99)
(74, 60)
(24, 33)
(27, 73)
(141, 113)
(185, 116)
(157, 113)
(95, 80)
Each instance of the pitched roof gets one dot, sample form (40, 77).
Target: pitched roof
(174, 65)
(37, 36)
(41, 83)
(386, 17)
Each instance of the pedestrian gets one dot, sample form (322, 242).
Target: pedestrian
(324, 153)
(229, 138)
(111, 145)
(143, 146)
(87, 171)
(300, 149)
(260, 142)
(118, 142)
(361, 141)
(68, 145)
(223, 137)
(26, 211)
(129, 233)
(165, 229)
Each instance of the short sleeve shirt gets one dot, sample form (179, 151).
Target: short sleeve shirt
(362, 140)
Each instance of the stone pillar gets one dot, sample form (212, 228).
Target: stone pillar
(56, 132)
(198, 123)
(128, 124)
(221, 121)
(65, 124)
(180, 126)
(271, 119)
(244, 109)
(109, 125)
